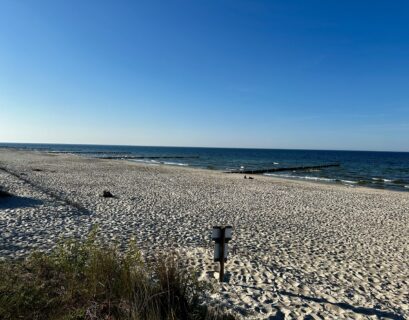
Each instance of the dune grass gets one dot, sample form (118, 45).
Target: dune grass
(85, 280)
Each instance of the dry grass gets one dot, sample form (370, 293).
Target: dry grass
(83, 280)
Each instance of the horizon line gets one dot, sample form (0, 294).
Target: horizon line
(199, 147)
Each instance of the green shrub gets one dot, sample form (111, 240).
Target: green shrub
(84, 280)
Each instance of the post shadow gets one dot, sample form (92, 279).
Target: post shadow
(15, 202)
(343, 305)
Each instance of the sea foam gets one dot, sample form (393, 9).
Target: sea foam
(300, 177)
(175, 163)
(349, 181)
(382, 179)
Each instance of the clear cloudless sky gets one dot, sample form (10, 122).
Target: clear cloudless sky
(226, 73)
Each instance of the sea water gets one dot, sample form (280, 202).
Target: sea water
(385, 170)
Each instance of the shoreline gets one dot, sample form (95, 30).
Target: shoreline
(299, 248)
(294, 179)
(273, 177)
(375, 183)
(302, 179)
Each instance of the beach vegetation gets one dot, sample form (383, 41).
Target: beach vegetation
(87, 280)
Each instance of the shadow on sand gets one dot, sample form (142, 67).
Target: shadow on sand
(14, 202)
(346, 306)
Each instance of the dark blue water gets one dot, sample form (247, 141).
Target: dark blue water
(386, 170)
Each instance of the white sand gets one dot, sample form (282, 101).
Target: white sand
(300, 250)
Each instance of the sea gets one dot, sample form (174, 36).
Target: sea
(381, 170)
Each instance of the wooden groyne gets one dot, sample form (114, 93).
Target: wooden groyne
(260, 171)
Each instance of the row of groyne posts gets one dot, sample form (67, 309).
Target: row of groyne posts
(299, 168)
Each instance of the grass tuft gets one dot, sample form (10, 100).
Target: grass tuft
(85, 280)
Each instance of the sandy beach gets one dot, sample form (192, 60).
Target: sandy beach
(300, 250)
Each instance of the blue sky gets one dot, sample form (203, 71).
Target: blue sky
(271, 74)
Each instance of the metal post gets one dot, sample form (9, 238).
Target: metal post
(222, 241)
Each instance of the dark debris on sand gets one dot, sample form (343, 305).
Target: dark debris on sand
(107, 194)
